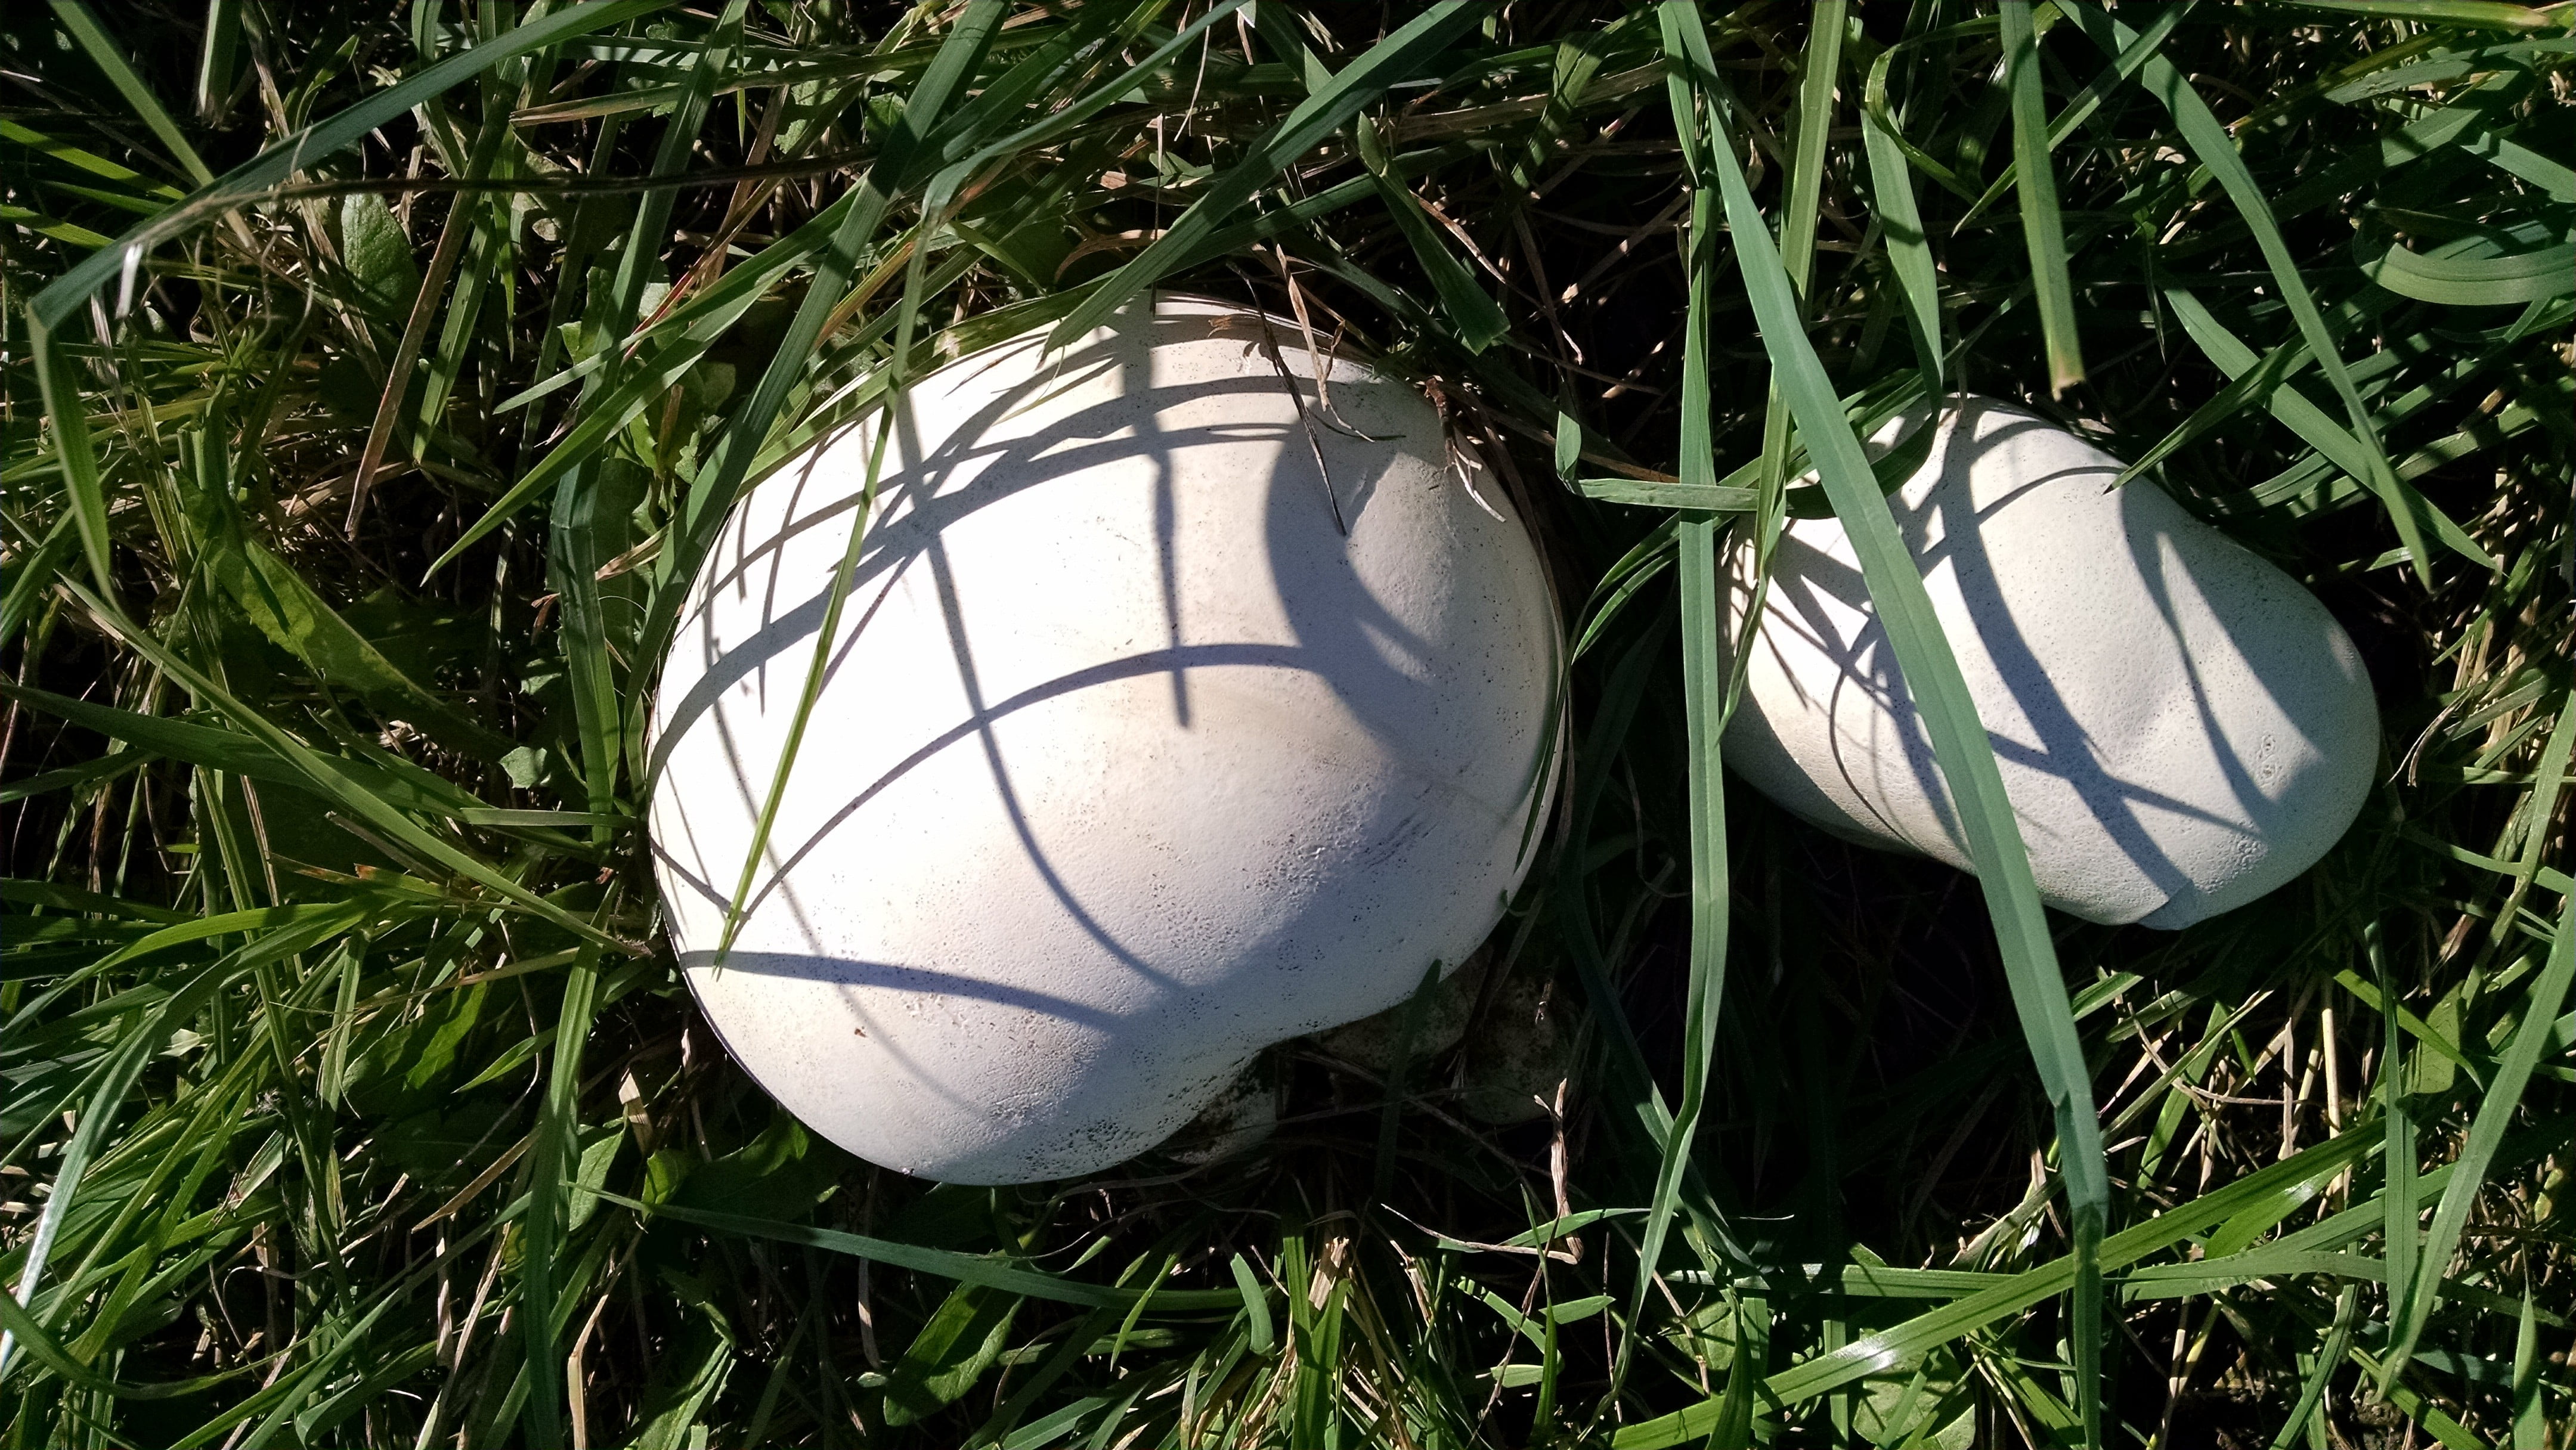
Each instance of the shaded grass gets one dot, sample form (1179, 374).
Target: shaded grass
(352, 1098)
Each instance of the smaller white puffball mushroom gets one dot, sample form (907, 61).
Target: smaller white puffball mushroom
(1144, 745)
(2180, 726)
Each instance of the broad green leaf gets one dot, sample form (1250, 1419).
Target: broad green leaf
(953, 1350)
(377, 252)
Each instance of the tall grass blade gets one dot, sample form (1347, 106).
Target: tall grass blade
(319, 141)
(73, 450)
(86, 32)
(2540, 1006)
(2215, 148)
(1959, 743)
(946, 1263)
(956, 61)
(1325, 110)
(1909, 253)
(2043, 229)
(1703, 643)
(329, 777)
(2310, 422)
(549, 1165)
(1964, 1315)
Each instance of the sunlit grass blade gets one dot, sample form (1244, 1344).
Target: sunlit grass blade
(315, 143)
(947, 1264)
(1909, 255)
(1959, 742)
(2043, 229)
(550, 1163)
(2532, 1035)
(1323, 112)
(1703, 643)
(957, 57)
(74, 452)
(452, 237)
(86, 32)
(2215, 149)
(330, 780)
(2287, 403)
(2475, 14)
(2530, 1431)
(1904, 1341)
(113, 1079)
(2297, 1426)
(1820, 69)
(2085, 103)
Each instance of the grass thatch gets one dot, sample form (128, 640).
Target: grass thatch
(342, 1055)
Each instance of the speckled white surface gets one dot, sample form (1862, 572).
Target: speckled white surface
(2181, 727)
(1129, 763)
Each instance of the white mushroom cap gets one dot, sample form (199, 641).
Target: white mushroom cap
(1129, 763)
(2181, 727)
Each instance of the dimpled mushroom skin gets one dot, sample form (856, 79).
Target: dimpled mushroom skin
(2180, 726)
(1129, 763)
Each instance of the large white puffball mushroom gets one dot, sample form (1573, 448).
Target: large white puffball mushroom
(2181, 727)
(1130, 760)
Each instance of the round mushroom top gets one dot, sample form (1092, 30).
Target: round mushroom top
(2180, 726)
(1143, 741)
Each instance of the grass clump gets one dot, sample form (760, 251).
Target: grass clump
(375, 381)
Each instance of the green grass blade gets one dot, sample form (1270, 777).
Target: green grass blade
(2288, 404)
(641, 256)
(550, 1165)
(2468, 14)
(1256, 1304)
(2540, 1006)
(216, 60)
(1902, 1342)
(2530, 1431)
(60, 385)
(1960, 745)
(1819, 68)
(2490, 281)
(1909, 252)
(1327, 110)
(452, 236)
(957, 57)
(2088, 101)
(329, 778)
(2043, 229)
(92, 38)
(584, 531)
(1477, 317)
(2330, 1358)
(69, 292)
(1703, 641)
(115, 1078)
(861, 212)
(945, 1263)
(2401, 1226)
(2213, 146)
